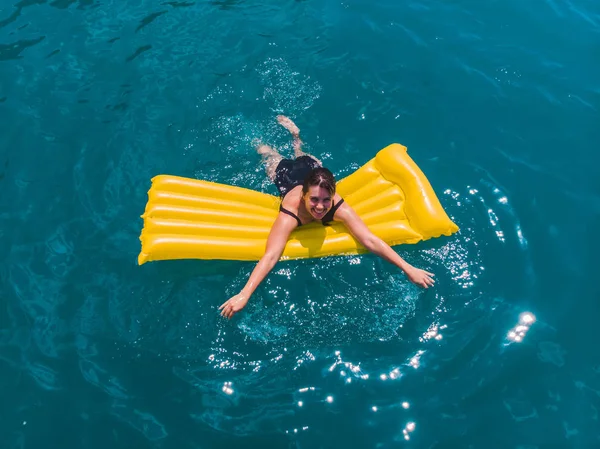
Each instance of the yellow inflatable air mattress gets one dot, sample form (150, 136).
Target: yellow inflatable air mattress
(194, 219)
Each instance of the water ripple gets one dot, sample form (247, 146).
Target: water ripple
(14, 50)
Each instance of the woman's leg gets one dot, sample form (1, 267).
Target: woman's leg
(270, 157)
(288, 124)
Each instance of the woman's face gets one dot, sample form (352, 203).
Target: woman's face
(317, 201)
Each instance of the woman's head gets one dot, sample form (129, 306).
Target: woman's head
(318, 191)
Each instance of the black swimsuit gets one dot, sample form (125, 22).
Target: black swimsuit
(291, 173)
(325, 220)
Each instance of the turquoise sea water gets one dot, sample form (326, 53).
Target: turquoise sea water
(497, 101)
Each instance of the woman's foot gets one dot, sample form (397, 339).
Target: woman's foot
(266, 151)
(288, 124)
(262, 149)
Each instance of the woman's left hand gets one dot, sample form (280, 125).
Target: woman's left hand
(420, 277)
(233, 305)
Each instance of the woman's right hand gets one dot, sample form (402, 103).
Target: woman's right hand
(281, 230)
(233, 305)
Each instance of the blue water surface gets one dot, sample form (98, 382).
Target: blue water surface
(497, 101)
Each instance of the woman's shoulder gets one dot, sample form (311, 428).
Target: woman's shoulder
(341, 208)
(292, 198)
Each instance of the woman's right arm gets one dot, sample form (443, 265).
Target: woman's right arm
(280, 232)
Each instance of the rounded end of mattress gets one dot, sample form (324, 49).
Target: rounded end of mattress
(448, 231)
(452, 229)
(142, 258)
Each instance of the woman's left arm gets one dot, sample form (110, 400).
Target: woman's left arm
(374, 244)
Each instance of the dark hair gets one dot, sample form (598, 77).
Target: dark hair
(321, 177)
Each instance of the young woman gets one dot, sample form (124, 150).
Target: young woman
(308, 194)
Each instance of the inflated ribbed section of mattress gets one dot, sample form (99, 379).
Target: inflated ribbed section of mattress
(194, 219)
